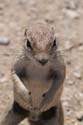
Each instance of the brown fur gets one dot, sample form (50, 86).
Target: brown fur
(38, 84)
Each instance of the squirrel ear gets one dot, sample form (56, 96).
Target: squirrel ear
(25, 33)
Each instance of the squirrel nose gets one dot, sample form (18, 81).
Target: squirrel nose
(42, 58)
(43, 61)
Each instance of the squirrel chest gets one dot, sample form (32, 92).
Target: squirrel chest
(36, 79)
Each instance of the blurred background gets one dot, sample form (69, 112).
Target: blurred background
(66, 16)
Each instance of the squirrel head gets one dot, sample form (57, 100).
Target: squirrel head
(39, 42)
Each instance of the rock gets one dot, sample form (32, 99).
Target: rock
(4, 41)
(68, 45)
(71, 14)
(70, 82)
(3, 78)
(50, 21)
(68, 112)
(66, 105)
(79, 116)
(80, 48)
(77, 74)
(24, 122)
(76, 123)
(73, 5)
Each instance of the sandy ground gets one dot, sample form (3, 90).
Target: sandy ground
(67, 19)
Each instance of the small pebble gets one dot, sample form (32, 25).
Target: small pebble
(71, 14)
(3, 80)
(79, 116)
(80, 48)
(68, 45)
(77, 75)
(24, 122)
(4, 41)
(70, 82)
(72, 5)
(49, 21)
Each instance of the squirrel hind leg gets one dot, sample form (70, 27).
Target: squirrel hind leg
(12, 117)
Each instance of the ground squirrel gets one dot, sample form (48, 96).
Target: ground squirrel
(38, 76)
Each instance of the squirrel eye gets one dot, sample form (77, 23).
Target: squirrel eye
(28, 44)
(44, 95)
(54, 43)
